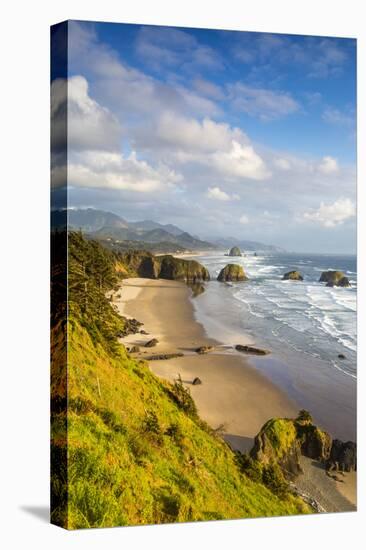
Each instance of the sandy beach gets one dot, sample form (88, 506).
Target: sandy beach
(233, 397)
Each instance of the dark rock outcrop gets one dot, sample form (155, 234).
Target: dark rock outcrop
(251, 349)
(284, 440)
(277, 443)
(177, 269)
(203, 349)
(232, 272)
(197, 381)
(152, 343)
(334, 278)
(148, 266)
(235, 251)
(134, 349)
(343, 456)
(293, 276)
(163, 356)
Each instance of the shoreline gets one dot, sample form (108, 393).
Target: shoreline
(233, 394)
(234, 397)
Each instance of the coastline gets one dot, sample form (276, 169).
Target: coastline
(234, 397)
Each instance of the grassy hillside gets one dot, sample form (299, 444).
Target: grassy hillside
(136, 450)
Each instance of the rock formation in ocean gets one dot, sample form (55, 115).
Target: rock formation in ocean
(334, 278)
(293, 276)
(235, 251)
(232, 272)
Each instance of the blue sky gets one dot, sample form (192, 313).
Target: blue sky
(221, 132)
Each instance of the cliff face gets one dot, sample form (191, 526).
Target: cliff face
(137, 451)
(146, 265)
(188, 271)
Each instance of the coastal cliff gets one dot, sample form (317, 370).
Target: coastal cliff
(128, 429)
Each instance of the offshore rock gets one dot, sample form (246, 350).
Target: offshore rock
(293, 276)
(232, 272)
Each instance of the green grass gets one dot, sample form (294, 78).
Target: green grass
(135, 456)
(130, 449)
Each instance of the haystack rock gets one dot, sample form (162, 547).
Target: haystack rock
(235, 251)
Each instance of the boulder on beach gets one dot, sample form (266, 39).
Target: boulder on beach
(232, 272)
(203, 349)
(197, 381)
(235, 251)
(293, 276)
(251, 349)
(152, 343)
(334, 278)
(134, 349)
(164, 356)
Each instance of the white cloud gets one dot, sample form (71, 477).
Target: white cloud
(241, 161)
(328, 165)
(282, 164)
(244, 219)
(218, 194)
(262, 103)
(331, 215)
(89, 125)
(165, 46)
(338, 118)
(114, 171)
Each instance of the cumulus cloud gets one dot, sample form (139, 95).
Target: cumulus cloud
(218, 194)
(262, 103)
(89, 125)
(241, 161)
(114, 171)
(331, 215)
(328, 165)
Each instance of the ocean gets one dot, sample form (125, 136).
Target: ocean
(304, 324)
(298, 321)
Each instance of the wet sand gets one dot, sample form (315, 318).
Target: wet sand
(234, 396)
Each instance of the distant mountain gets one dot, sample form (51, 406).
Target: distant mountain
(183, 240)
(149, 225)
(87, 219)
(108, 226)
(228, 242)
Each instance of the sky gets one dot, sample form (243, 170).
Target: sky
(223, 133)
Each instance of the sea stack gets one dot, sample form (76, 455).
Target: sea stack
(334, 278)
(293, 276)
(232, 272)
(235, 251)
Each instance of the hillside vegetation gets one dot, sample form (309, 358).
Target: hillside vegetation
(135, 450)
